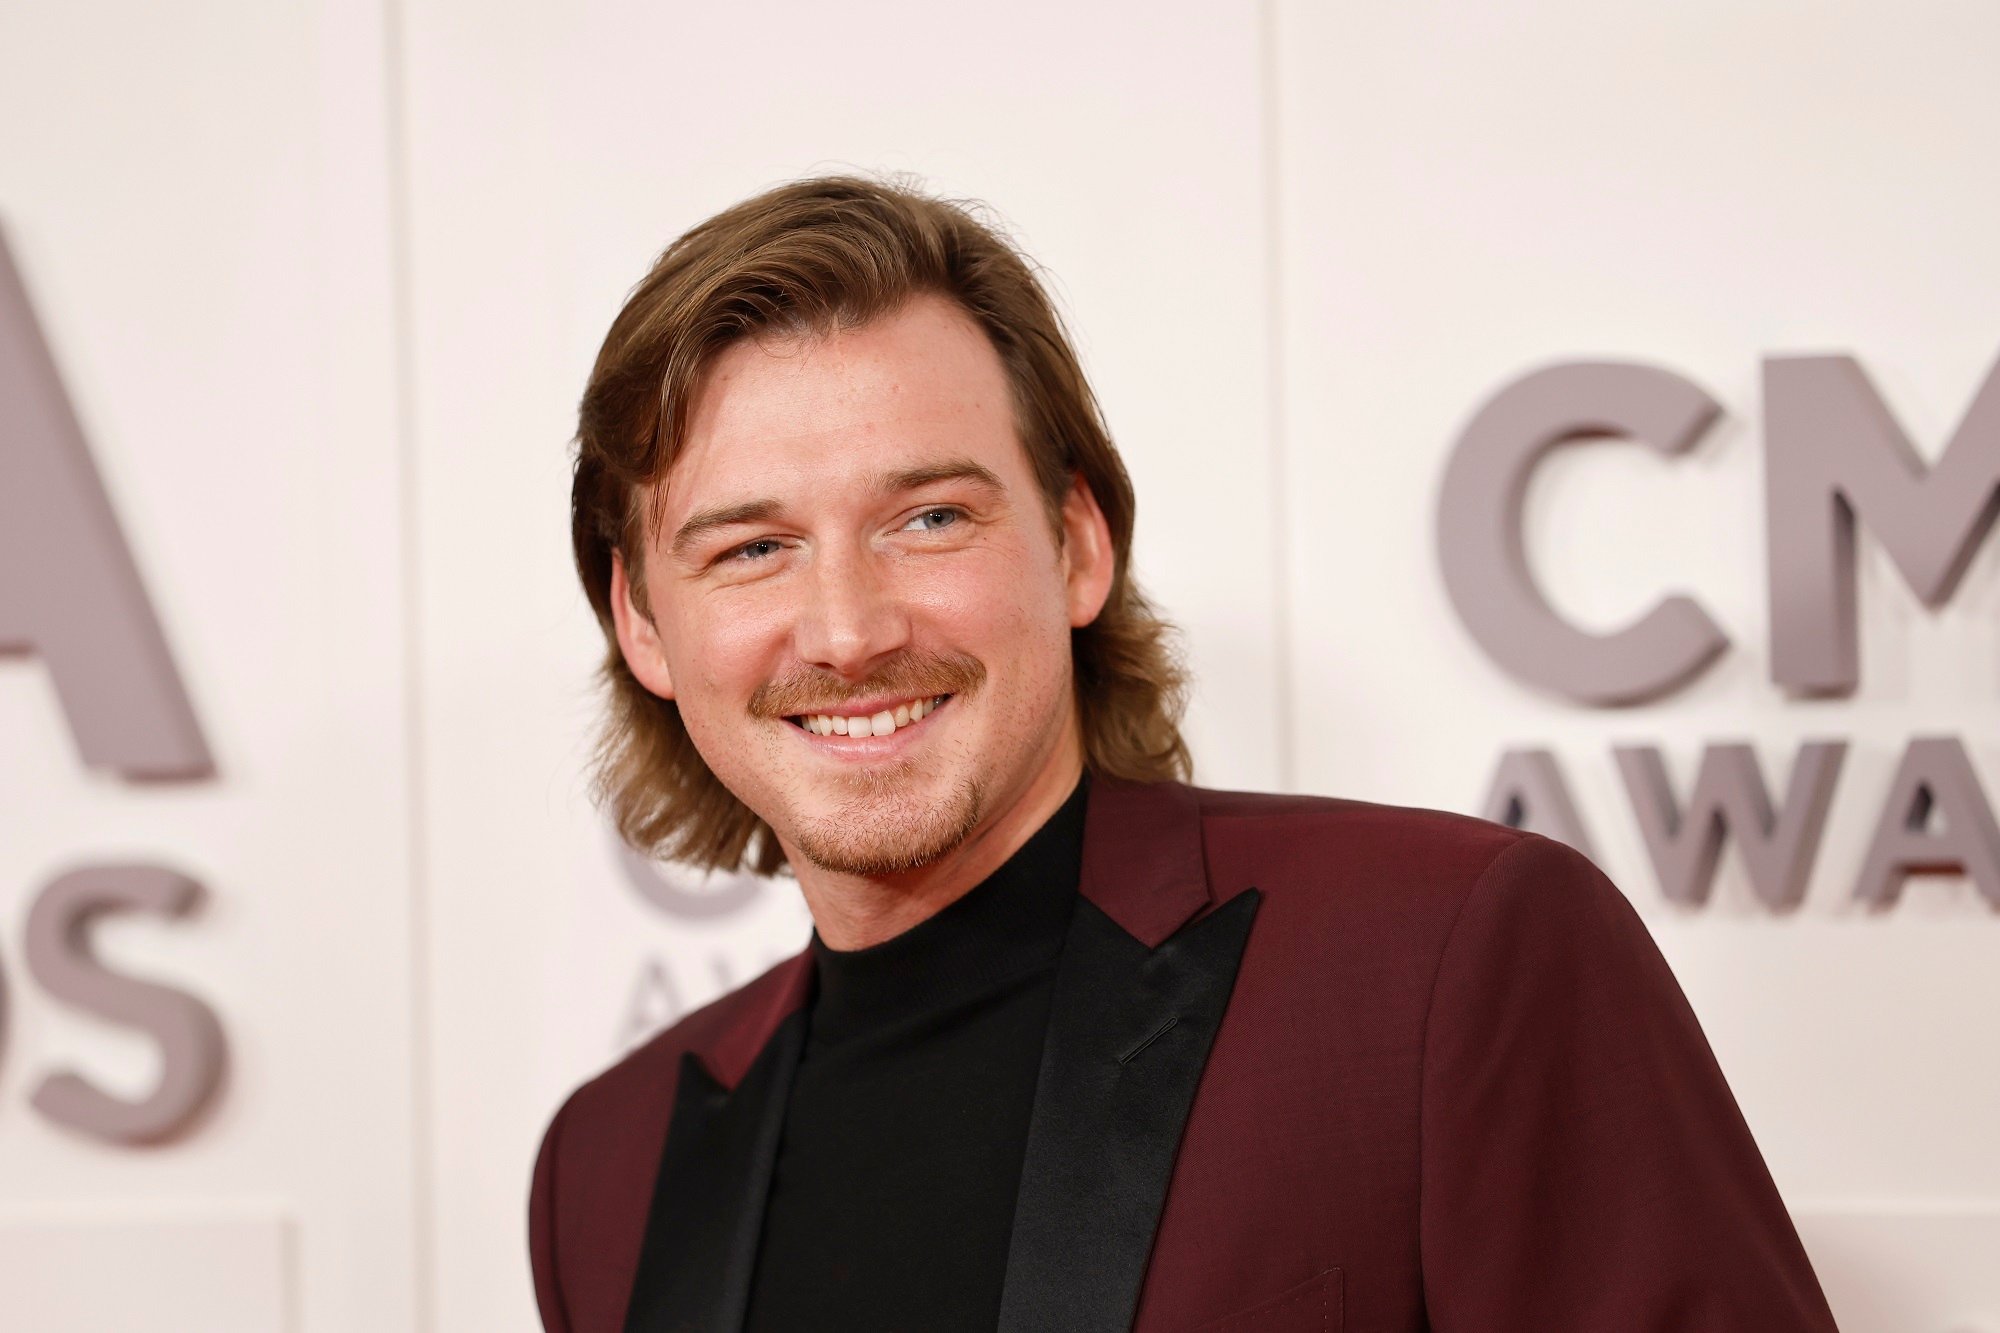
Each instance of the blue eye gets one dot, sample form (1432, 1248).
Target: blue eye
(933, 519)
(755, 550)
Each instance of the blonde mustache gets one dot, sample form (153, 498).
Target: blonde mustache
(911, 675)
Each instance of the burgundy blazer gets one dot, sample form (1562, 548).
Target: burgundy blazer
(1311, 1065)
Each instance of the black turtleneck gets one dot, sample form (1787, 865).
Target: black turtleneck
(893, 1198)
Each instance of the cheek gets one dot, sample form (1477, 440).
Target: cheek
(723, 648)
(1001, 610)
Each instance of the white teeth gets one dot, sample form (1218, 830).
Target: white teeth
(879, 724)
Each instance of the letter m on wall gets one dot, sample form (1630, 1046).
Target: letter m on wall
(69, 592)
(1834, 456)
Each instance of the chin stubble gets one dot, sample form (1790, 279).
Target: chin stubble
(873, 834)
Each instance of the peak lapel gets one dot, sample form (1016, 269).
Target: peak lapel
(1140, 992)
(715, 1172)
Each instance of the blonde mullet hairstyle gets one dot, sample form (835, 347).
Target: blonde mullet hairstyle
(814, 257)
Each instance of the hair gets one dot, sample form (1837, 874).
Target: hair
(811, 258)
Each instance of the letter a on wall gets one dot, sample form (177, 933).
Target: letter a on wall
(69, 592)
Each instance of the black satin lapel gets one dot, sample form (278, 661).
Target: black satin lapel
(1128, 1037)
(708, 1201)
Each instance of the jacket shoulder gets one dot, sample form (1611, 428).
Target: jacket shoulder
(1427, 850)
(593, 1177)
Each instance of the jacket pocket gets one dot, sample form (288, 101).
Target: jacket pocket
(1313, 1306)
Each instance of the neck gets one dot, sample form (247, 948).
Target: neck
(856, 911)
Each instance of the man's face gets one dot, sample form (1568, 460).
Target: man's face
(858, 599)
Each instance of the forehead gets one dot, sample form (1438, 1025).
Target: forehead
(773, 415)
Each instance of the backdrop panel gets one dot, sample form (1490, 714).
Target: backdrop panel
(196, 199)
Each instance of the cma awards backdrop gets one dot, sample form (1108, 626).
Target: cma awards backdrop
(1582, 414)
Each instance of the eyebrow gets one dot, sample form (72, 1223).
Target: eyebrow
(721, 516)
(761, 511)
(959, 469)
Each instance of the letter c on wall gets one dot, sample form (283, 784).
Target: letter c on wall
(1483, 553)
(192, 1049)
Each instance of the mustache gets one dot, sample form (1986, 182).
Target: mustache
(917, 675)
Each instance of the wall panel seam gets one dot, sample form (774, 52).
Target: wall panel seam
(1283, 687)
(403, 376)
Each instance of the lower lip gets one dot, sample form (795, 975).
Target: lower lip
(869, 747)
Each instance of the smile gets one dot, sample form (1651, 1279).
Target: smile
(879, 723)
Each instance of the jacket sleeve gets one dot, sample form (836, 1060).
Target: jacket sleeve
(1584, 1166)
(542, 1229)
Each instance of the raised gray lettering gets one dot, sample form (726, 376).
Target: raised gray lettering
(1833, 454)
(69, 592)
(192, 1048)
(1528, 792)
(1936, 821)
(1484, 557)
(1730, 798)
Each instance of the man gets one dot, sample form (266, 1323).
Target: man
(1074, 1046)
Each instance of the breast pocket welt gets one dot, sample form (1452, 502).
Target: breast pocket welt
(1313, 1306)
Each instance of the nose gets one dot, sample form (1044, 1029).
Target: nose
(854, 618)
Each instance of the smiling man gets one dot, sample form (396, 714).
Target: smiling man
(1074, 1045)
(867, 603)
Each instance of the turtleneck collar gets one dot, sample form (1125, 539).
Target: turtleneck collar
(1010, 924)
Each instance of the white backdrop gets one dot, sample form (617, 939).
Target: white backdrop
(325, 281)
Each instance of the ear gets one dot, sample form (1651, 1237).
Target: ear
(1087, 559)
(638, 636)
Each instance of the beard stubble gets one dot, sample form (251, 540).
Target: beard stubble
(887, 822)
